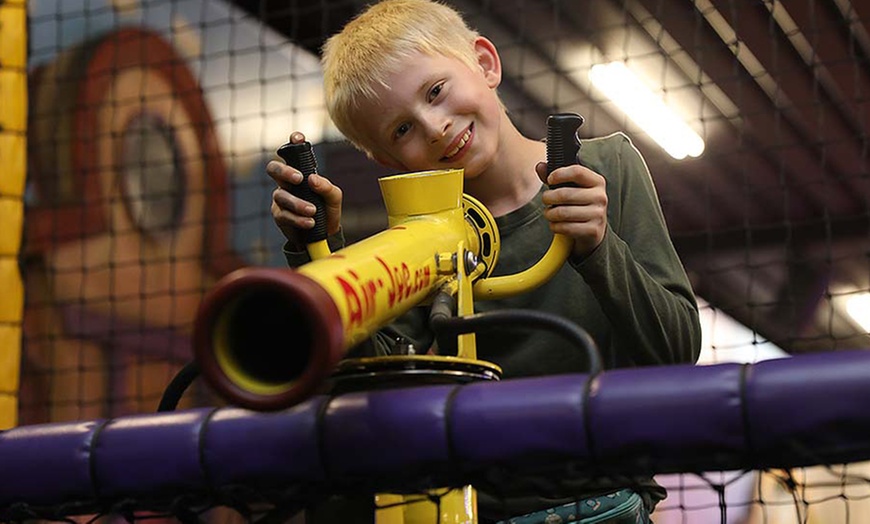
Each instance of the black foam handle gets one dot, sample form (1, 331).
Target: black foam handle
(301, 157)
(563, 144)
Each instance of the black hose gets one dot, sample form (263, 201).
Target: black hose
(513, 318)
(177, 386)
(445, 325)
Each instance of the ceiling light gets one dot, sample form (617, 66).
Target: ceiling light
(858, 307)
(646, 109)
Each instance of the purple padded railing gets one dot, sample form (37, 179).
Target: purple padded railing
(804, 410)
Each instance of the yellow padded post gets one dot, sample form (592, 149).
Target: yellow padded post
(13, 147)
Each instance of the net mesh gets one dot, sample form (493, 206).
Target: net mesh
(150, 124)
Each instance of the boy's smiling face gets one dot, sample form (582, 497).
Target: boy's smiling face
(436, 112)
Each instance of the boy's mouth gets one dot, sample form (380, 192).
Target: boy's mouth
(457, 147)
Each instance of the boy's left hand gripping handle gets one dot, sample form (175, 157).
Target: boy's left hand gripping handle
(301, 157)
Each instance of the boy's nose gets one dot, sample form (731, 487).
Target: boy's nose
(437, 128)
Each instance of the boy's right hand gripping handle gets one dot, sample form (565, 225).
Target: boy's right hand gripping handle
(563, 144)
(301, 157)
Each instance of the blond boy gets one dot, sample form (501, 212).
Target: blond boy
(411, 85)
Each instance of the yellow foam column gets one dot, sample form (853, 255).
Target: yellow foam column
(13, 169)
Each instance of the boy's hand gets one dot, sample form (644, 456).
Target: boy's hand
(292, 214)
(578, 211)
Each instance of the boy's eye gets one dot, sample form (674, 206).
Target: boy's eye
(435, 91)
(402, 129)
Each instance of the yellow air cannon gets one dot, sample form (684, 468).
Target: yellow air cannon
(268, 338)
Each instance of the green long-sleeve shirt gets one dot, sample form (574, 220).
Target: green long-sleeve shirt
(632, 293)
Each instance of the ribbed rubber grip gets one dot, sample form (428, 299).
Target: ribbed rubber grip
(563, 144)
(301, 157)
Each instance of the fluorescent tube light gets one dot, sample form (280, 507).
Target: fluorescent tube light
(646, 109)
(858, 307)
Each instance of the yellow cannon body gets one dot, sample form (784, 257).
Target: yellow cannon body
(268, 338)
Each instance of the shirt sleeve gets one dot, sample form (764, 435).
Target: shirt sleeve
(636, 274)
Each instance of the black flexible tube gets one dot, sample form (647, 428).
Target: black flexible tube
(177, 386)
(453, 326)
(444, 325)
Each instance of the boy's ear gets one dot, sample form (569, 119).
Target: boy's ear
(489, 61)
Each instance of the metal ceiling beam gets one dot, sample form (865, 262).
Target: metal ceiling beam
(856, 13)
(800, 97)
(765, 130)
(746, 183)
(683, 185)
(836, 58)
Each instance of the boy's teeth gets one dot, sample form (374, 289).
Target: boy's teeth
(461, 143)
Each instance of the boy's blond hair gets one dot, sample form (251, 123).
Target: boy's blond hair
(371, 46)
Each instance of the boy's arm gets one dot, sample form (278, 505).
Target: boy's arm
(635, 272)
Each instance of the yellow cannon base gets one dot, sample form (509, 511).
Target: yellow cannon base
(366, 374)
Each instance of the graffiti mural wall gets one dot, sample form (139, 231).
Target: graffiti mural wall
(149, 126)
